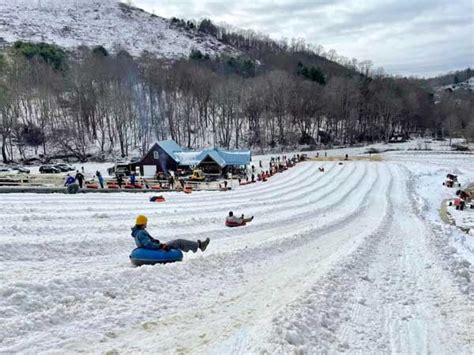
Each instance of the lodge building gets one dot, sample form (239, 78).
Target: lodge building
(166, 156)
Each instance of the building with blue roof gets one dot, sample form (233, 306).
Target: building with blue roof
(165, 156)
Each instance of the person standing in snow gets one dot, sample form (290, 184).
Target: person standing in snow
(71, 185)
(133, 178)
(79, 178)
(171, 182)
(119, 181)
(100, 178)
(144, 240)
(69, 180)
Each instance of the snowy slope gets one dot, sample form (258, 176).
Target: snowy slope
(72, 23)
(353, 260)
(464, 85)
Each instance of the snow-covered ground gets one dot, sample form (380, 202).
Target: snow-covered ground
(354, 260)
(73, 23)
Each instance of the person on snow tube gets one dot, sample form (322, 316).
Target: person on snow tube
(233, 221)
(144, 240)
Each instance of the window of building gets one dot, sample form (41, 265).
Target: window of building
(156, 155)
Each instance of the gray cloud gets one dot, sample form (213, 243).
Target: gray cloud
(406, 37)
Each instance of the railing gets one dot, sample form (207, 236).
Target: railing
(55, 182)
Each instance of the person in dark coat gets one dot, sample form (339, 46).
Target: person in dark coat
(79, 178)
(234, 221)
(171, 182)
(120, 181)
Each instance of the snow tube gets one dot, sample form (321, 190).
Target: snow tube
(112, 185)
(188, 190)
(72, 189)
(140, 256)
(157, 199)
(131, 186)
(156, 187)
(92, 186)
(234, 224)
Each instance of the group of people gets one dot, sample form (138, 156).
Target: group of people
(463, 196)
(79, 179)
(144, 240)
(277, 165)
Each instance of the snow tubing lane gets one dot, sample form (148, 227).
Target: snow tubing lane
(141, 256)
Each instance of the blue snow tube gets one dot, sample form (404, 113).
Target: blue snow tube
(141, 256)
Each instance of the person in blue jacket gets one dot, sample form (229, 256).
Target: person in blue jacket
(69, 180)
(100, 178)
(144, 240)
(133, 178)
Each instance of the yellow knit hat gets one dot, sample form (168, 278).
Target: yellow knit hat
(141, 220)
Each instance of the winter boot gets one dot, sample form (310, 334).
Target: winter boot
(203, 244)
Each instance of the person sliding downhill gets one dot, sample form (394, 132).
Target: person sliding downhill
(144, 240)
(233, 221)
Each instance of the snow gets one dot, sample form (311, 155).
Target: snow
(73, 23)
(464, 85)
(354, 259)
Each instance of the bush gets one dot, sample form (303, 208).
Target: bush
(196, 54)
(51, 54)
(311, 73)
(100, 51)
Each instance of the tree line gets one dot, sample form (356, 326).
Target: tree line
(92, 101)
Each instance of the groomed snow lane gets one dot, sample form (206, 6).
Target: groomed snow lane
(334, 261)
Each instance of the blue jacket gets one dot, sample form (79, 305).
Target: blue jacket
(133, 178)
(70, 180)
(144, 240)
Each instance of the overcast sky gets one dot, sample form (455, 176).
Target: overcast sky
(406, 37)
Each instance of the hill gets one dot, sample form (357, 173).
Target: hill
(108, 23)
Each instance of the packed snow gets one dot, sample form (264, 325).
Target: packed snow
(108, 23)
(354, 259)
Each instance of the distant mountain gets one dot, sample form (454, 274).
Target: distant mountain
(463, 85)
(451, 78)
(108, 23)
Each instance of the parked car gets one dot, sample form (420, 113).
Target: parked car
(49, 169)
(119, 169)
(20, 169)
(64, 167)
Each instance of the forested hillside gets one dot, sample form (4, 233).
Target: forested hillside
(273, 95)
